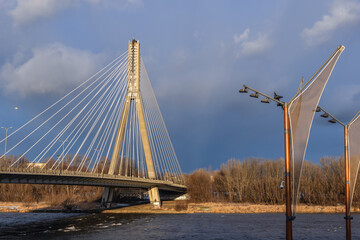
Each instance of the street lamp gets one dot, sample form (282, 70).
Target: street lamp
(284, 105)
(6, 135)
(62, 155)
(57, 160)
(347, 217)
(282, 184)
(298, 116)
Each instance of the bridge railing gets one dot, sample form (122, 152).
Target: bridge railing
(33, 171)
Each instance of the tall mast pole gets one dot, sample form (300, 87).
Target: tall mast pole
(347, 183)
(289, 217)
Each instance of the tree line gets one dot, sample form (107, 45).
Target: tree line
(64, 195)
(55, 195)
(249, 181)
(258, 181)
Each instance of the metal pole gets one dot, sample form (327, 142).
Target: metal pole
(5, 143)
(287, 173)
(62, 155)
(62, 164)
(347, 217)
(347, 184)
(6, 135)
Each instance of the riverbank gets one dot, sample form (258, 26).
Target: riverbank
(47, 207)
(178, 207)
(170, 207)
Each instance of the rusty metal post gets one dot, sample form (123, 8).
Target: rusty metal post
(347, 184)
(289, 217)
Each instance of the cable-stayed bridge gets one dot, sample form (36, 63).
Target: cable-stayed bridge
(107, 132)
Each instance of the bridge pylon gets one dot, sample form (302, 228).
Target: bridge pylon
(132, 97)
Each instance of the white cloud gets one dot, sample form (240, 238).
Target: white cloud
(257, 46)
(27, 11)
(242, 37)
(51, 69)
(252, 47)
(342, 13)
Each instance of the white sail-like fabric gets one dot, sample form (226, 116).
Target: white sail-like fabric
(354, 154)
(301, 114)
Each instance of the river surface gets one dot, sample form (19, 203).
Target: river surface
(38, 226)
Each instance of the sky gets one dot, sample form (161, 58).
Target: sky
(198, 54)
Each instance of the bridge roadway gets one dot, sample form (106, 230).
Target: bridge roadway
(43, 176)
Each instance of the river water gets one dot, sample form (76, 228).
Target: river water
(38, 226)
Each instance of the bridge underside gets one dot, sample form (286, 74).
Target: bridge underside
(171, 190)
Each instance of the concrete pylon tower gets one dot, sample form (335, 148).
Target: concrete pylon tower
(132, 97)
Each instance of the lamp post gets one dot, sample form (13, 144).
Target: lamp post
(62, 155)
(6, 134)
(298, 116)
(57, 160)
(96, 150)
(347, 217)
(276, 98)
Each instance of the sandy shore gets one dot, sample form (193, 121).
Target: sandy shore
(44, 206)
(172, 207)
(21, 207)
(177, 207)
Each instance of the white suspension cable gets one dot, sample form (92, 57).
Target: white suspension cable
(44, 123)
(63, 97)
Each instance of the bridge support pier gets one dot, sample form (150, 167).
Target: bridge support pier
(154, 196)
(107, 197)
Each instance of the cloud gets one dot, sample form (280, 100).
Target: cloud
(242, 37)
(251, 47)
(257, 46)
(51, 69)
(27, 11)
(342, 13)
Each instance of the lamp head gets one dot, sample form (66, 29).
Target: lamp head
(332, 121)
(254, 95)
(282, 184)
(243, 90)
(265, 100)
(325, 115)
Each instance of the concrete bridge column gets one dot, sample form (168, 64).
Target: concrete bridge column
(107, 197)
(154, 196)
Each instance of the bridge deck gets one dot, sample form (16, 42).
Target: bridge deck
(41, 176)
